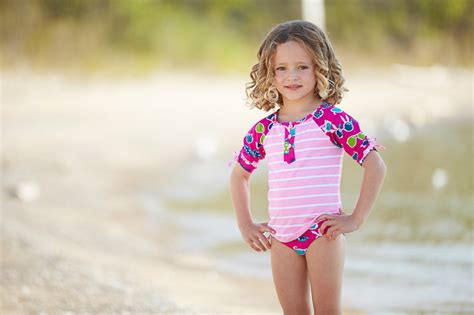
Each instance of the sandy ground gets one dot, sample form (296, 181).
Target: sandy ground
(61, 261)
(80, 151)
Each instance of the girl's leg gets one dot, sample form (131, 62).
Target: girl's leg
(325, 263)
(291, 279)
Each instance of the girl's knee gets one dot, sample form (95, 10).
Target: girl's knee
(329, 310)
(297, 309)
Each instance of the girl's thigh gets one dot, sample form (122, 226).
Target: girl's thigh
(291, 279)
(325, 263)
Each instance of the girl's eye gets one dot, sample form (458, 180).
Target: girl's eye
(283, 68)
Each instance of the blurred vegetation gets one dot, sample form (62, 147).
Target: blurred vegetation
(224, 35)
(416, 32)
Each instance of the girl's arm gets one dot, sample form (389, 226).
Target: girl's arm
(240, 192)
(251, 232)
(374, 174)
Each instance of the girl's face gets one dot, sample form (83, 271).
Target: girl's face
(294, 74)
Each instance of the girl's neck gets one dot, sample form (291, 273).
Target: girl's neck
(293, 110)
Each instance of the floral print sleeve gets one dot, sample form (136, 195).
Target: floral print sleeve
(252, 150)
(345, 132)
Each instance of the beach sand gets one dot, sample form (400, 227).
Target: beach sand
(59, 260)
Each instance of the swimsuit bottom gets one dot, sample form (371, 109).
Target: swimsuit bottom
(300, 245)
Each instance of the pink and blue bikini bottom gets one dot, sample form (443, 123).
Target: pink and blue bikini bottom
(301, 244)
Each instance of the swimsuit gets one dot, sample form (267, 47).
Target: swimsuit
(301, 244)
(304, 165)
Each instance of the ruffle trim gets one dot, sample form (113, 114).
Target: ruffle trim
(234, 159)
(244, 162)
(373, 145)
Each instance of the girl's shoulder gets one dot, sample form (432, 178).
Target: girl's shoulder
(252, 150)
(327, 109)
(345, 132)
(264, 125)
(329, 113)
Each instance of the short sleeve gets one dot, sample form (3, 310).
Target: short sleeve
(345, 132)
(252, 150)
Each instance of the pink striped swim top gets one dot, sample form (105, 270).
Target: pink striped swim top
(304, 161)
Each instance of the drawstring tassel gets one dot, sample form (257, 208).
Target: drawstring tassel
(234, 159)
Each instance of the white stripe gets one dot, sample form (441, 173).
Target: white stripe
(307, 149)
(284, 234)
(318, 148)
(302, 215)
(273, 144)
(289, 225)
(275, 135)
(305, 168)
(297, 141)
(308, 158)
(301, 177)
(309, 139)
(307, 186)
(297, 134)
(302, 196)
(306, 122)
(310, 130)
(304, 206)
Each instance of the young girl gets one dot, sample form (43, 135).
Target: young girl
(304, 142)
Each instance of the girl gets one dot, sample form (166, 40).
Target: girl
(304, 141)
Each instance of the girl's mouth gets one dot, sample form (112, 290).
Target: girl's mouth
(293, 87)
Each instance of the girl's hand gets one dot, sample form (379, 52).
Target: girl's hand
(252, 233)
(337, 224)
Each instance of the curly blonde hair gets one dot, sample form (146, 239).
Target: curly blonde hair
(328, 71)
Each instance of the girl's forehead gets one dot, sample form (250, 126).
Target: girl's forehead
(291, 52)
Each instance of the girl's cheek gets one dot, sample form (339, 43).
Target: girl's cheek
(278, 76)
(279, 79)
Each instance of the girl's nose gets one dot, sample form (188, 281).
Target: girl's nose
(292, 75)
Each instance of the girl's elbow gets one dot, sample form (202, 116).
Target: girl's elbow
(381, 166)
(375, 161)
(239, 173)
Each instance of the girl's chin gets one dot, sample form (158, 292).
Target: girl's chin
(295, 98)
